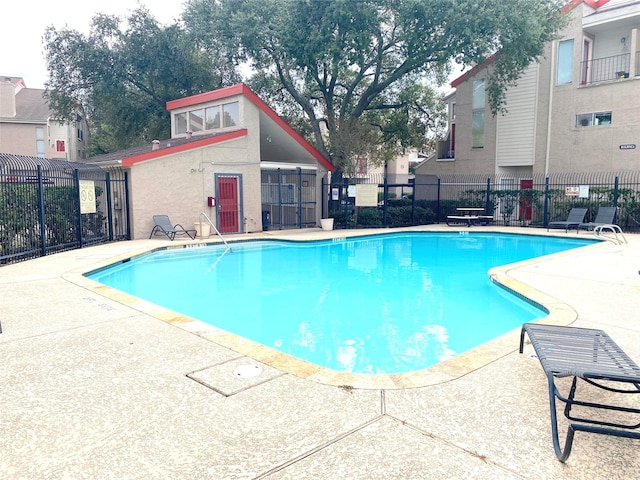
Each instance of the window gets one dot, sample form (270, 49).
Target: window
(206, 119)
(181, 123)
(231, 114)
(212, 117)
(196, 120)
(478, 102)
(593, 119)
(361, 166)
(564, 72)
(40, 142)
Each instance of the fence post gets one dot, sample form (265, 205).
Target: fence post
(545, 209)
(345, 182)
(615, 192)
(487, 201)
(438, 206)
(299, 192)
(76, 177)
(126, 204)
(385, 197)
(43, 230)
(107, 181)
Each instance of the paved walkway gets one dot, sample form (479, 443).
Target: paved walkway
(94, 388)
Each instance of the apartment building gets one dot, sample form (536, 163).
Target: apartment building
(28, 126)
(576, 110)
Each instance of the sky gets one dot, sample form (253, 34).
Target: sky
(21, 49)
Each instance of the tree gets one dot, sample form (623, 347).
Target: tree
(122, 74)
(359, 73)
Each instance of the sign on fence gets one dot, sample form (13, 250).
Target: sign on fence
(87, 196)
(367, 195)
(581, 191)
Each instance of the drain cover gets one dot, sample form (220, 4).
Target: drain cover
(247, 371)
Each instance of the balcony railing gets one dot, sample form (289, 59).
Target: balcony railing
(605, 69)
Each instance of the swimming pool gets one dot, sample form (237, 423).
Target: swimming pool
(388, 303)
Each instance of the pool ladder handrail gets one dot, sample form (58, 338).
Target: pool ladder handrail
(202, 214)
(615, 229)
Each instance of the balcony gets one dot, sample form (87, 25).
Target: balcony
(443, 149)
(608, 69)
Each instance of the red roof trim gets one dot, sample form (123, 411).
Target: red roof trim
(267, 110)
(206, 97)
(242, 89)
(128, 162)
(473, 71)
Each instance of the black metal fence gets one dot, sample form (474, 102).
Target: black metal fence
(529, 201)
(288, 198)
(48, 206)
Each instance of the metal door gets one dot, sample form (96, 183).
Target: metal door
(228, 204)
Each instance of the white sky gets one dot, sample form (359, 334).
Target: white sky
(21, 49)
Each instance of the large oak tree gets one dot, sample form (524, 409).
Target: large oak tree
(357, 75)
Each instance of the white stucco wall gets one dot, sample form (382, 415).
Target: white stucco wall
(178, 185)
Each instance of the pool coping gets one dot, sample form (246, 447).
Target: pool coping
(559, 313)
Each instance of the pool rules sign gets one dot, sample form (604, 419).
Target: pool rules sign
(87, 196)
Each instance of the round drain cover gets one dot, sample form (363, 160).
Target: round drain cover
(247, 371)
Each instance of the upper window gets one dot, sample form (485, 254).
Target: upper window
(231, 114)
(181, 123)
(478, 102)
(196, 120)
(564, 72)
(361, 166)
(210, 118)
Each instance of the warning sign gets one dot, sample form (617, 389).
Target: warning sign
(367, 195)
(87, 196)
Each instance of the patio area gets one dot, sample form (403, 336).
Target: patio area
(99, 386)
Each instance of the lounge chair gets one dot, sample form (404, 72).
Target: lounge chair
(592, 356)
(163, 226)
(605, 216)
(575, 218)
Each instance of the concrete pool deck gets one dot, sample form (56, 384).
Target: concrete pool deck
(100, 387)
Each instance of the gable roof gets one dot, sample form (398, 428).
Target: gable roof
(242, 89)
(32, 106)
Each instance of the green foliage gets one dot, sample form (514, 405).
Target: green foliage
(359, 74)
(20, 229)
(122, 74)
(369, 217)
(18, 217)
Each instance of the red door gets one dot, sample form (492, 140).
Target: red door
(526, 203)
(228, 208)
(452, 153)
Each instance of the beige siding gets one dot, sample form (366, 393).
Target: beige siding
(516, 129)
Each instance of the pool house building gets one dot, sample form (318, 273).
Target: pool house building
(230, 157)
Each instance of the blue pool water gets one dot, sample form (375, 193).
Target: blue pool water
(389, 303)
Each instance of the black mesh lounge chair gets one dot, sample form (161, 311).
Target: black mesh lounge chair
(163, 226)
(592, 356)
(605, 216)
(575, 218)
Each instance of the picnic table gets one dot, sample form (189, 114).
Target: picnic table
(470, 216)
